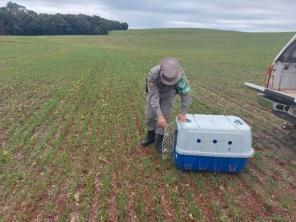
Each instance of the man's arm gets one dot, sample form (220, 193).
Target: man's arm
(184, 90)
(153, 95)
(185, 102)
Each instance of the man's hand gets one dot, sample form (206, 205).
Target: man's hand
(181, 117)
(162, 123)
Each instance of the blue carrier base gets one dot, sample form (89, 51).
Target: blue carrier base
(209, 164)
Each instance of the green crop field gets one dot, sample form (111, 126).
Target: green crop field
(72, 116)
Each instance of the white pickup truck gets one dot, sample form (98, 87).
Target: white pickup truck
(279, 92)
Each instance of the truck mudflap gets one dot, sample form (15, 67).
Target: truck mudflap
(285, 116)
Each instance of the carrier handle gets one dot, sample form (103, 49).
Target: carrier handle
(238, 122)
(188, 120)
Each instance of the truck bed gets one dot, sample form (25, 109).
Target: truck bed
(290, 92)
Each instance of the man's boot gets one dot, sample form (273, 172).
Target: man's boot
(149, 139)
(159, 139)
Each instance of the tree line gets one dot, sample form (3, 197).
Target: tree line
(17, 20)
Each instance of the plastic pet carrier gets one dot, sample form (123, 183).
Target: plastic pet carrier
(212, 143)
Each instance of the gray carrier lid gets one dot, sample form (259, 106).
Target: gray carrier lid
(214, 135)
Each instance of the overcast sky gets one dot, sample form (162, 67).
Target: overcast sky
(241, 15)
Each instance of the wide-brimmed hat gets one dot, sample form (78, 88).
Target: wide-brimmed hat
(171, 71)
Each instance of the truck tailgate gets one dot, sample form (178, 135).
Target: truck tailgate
(287, 97)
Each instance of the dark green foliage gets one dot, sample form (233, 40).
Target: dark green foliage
(17, 20)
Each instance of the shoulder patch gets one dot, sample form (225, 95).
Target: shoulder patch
(183, 86)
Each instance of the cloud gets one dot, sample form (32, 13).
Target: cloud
(240, 15)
